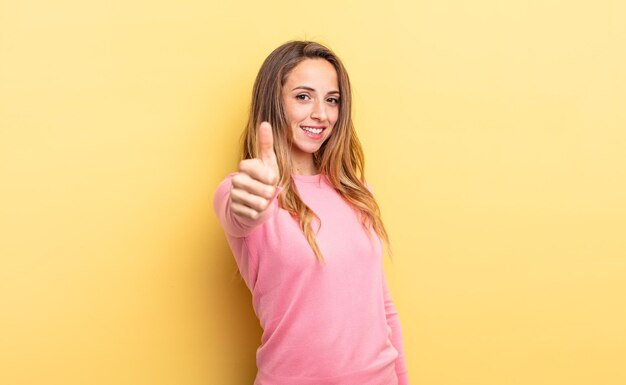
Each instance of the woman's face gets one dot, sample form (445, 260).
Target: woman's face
(311, 100)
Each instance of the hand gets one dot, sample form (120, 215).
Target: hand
(255, 183)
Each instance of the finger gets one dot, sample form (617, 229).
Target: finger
(258, 170)
(243, 197)
(243, 211)
(265, 140)
(243, 181)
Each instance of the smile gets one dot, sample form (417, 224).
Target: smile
(313, 130)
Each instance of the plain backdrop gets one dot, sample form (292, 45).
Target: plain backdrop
(494, 134)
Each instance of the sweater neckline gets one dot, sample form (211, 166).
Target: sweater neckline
(307, 178)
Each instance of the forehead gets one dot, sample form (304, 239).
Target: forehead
(315, 73)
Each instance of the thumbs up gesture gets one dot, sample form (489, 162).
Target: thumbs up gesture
(255, 184)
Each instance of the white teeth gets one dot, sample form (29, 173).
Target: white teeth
(312, 130)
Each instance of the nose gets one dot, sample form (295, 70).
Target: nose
(319, 111)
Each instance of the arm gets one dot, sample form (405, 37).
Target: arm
(247, 198)
(393, 320)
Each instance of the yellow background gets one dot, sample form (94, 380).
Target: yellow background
(494, 134)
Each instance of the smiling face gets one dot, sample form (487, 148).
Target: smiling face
(311, 100)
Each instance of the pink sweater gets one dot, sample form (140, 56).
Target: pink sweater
(332, 324)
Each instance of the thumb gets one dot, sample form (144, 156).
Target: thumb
(265, 142)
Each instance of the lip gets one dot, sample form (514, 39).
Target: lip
(312, 135)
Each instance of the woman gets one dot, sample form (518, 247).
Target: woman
(306, 231)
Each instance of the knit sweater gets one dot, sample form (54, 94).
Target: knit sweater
(323, 324)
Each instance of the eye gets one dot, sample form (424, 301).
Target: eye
(333, 100)
(302, 97)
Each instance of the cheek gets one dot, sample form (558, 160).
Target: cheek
(296, 114)
(290, 109)
(335, 116)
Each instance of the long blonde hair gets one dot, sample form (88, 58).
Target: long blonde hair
(340, 158)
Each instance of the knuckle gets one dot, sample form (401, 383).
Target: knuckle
(234, 195)
(236, 181)
(261, 203)
(270, 191)
(236, 208)
(240, 179)
(242, 210)
(271, 175)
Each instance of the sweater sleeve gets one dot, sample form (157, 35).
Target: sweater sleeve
(235, 226)
(393, 320)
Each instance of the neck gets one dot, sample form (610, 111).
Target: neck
(303, 165)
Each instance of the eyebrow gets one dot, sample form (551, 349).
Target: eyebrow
(307, 88)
